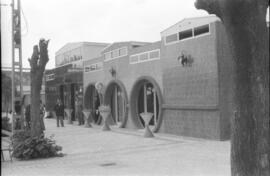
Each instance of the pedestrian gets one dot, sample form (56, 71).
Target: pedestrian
(59, 112)
(27, 116)
(41, 115)
(78, 111)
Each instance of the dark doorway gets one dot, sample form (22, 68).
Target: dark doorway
(72, 100)
(92, 102)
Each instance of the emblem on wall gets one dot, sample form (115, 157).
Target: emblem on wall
(185, 59)
(113, 72)
(99, 86)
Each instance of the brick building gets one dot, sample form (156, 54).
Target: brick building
(183, 79)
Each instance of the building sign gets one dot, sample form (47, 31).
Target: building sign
(50, 77)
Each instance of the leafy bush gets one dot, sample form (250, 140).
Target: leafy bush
(6, 125)
(26, 147)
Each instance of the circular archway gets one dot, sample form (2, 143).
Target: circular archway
(146, 97)
(116, 96)
(92, 102)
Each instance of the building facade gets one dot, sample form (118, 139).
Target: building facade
(65, 81)
(183, 79)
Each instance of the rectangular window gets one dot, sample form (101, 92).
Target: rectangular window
(171, 38)
(50, 77)
(201, 30)
(86, 69)
(115, 53)
(185, 34)
(123, 51)
(134, 59)
(92, 67)
(143, 56)
(108, 55)
(154, 54)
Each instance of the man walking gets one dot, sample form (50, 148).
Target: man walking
(59, 111)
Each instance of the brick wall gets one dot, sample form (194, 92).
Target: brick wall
(191, 94)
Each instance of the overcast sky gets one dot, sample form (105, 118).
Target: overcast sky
(108, 21)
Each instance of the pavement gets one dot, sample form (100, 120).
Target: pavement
(91, 151)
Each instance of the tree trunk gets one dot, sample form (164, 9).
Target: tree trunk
(37, 62)
(245, 23)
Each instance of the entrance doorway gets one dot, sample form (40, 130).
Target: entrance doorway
(148, 102)
(116, 97)
(146, 97)
(92, 102)
(117, 105)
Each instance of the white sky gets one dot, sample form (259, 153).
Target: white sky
(108, 21)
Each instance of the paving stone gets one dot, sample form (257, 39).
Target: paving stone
(90, 151)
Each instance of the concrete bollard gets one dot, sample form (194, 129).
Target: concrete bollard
(105, 112)
(86, 114)
(147, 116)
(68, 112)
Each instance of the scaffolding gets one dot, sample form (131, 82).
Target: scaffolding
(17, 88)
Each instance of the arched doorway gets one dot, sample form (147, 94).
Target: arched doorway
(92, 102)
(146, 97)
(116, 97)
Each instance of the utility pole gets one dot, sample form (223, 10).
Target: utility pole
(17, 95)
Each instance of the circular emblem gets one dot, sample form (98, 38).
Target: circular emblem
(99, 86)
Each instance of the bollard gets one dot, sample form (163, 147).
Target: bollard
(68, 112)
(105, 112)
(86, 114)
(147, 116)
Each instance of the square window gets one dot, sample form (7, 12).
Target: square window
(143, 56)
(171, 38)
(154, 54)
(123, 51)
(115, 53)
(201, 30)
(185, 34)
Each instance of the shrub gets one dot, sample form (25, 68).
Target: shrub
(26, 147)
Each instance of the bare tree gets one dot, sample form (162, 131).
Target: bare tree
(38, 63)
(245, 23)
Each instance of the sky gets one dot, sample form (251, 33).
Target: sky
(106, 21)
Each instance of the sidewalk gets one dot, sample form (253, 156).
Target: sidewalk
(90, 151)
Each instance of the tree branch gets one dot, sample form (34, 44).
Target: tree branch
(211, 6)
(43, 46)
(34, 59)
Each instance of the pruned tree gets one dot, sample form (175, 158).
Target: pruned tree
(245, 23)
(38, 63)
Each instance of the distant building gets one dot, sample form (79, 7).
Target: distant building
(65, 81)
(26, 83)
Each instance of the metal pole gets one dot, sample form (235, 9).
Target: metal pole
(12, 73)
(20, 62)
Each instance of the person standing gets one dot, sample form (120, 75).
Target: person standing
(78, 113)
(59, 111)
